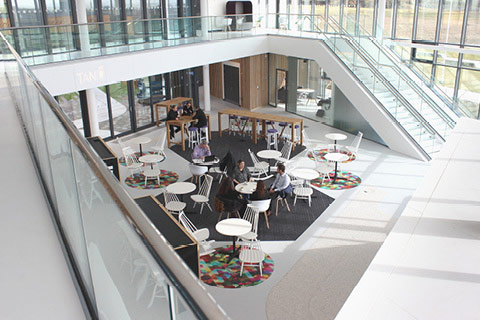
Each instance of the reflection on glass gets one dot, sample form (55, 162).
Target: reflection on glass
(445, 79)
(70, 104)
(448, 58)
(469, 91)
(367, 12)
(4, 19)
(119, 104)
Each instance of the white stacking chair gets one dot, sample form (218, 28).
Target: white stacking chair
(252, 254)
(151, 172)
(172, 203)
(201, 235)
(312, 144)
(286, 151)
(131, 160)
(203, 193)
(219, 172)
(262, 207)
(353, 148)
(260, 167)
(120, 143)
(251, 215)
(197, 172)
(303, 193)
(160, 146)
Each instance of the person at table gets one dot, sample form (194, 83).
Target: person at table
(241, 173)
(173, 115)
(260, 192)
(281, 187)
(200, 117)
(201, 150)
(188, 109)
(226, 193)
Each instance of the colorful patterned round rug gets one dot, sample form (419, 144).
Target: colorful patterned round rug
(121, 160)
(137, 180)
(322, 152)
(345, 180)
(216, 271)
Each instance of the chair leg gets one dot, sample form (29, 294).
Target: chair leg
(241, 269)
(201, 208)
(295, 200)
(210, 208)
(276, 213)
(266, 219)
(286, 203)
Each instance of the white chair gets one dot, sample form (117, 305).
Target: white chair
(303, 193)
(131, 160)
(262, 206)
(193, 137)
(204, 193)
(252, 254)
(201, 235)
(324, 170)
(160, 146)
(272, 139)
(260, 167)
(120, 143)
(172, 203)
(151, 172)
(353, 148)
(219, 172)
(197, 172)
(312, 144)
(251, 215)
(204, 133)
(286, 151)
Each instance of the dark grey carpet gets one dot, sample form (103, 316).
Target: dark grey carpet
(285, 226)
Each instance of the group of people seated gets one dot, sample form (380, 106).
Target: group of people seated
(280, 187)
(174, 114)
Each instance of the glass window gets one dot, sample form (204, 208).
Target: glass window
(387, 27)
(4, 19)
(27, 13)
(445, 79)
(404, 19)
(367, 12)
(447, 58)
(59, 12)
(135, 29)
(120, 110)
(469, 91)
(452, 21)
(471, 61)
(427, 20)
(143, 105)
(473, 25)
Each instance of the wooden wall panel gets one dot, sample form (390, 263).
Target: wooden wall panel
(216, 83)
(254, 81)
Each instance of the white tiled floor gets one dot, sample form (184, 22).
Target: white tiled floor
(315, 274)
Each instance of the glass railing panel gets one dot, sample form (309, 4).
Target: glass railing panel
(128, 282)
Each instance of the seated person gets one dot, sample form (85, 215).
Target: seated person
(227, 194)
(241, 173)
(173, 115)
(260, 192)
(201, 150)
(188, 109)
(201, 117)
(281, 186)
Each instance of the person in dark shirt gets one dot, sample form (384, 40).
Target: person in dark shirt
(173, 115)
(201, 117)
(226, 193)
(188, 109)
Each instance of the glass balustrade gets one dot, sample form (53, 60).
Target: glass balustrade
(121, 275)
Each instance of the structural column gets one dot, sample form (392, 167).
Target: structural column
(81, 11)
(206, 87)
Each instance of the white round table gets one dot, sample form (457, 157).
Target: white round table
(335, 137)
(246, 187)
(181, 187)
(269, 155)
(305, 173)
(234, 228)
(151, 159)
(141, 140)
(336, 157)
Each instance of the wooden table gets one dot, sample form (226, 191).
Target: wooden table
(167, 103)
(263, 117)
(181, 123)
(107, 155)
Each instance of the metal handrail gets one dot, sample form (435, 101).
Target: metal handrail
(196, 296)
(451, 123)
(122, 21)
